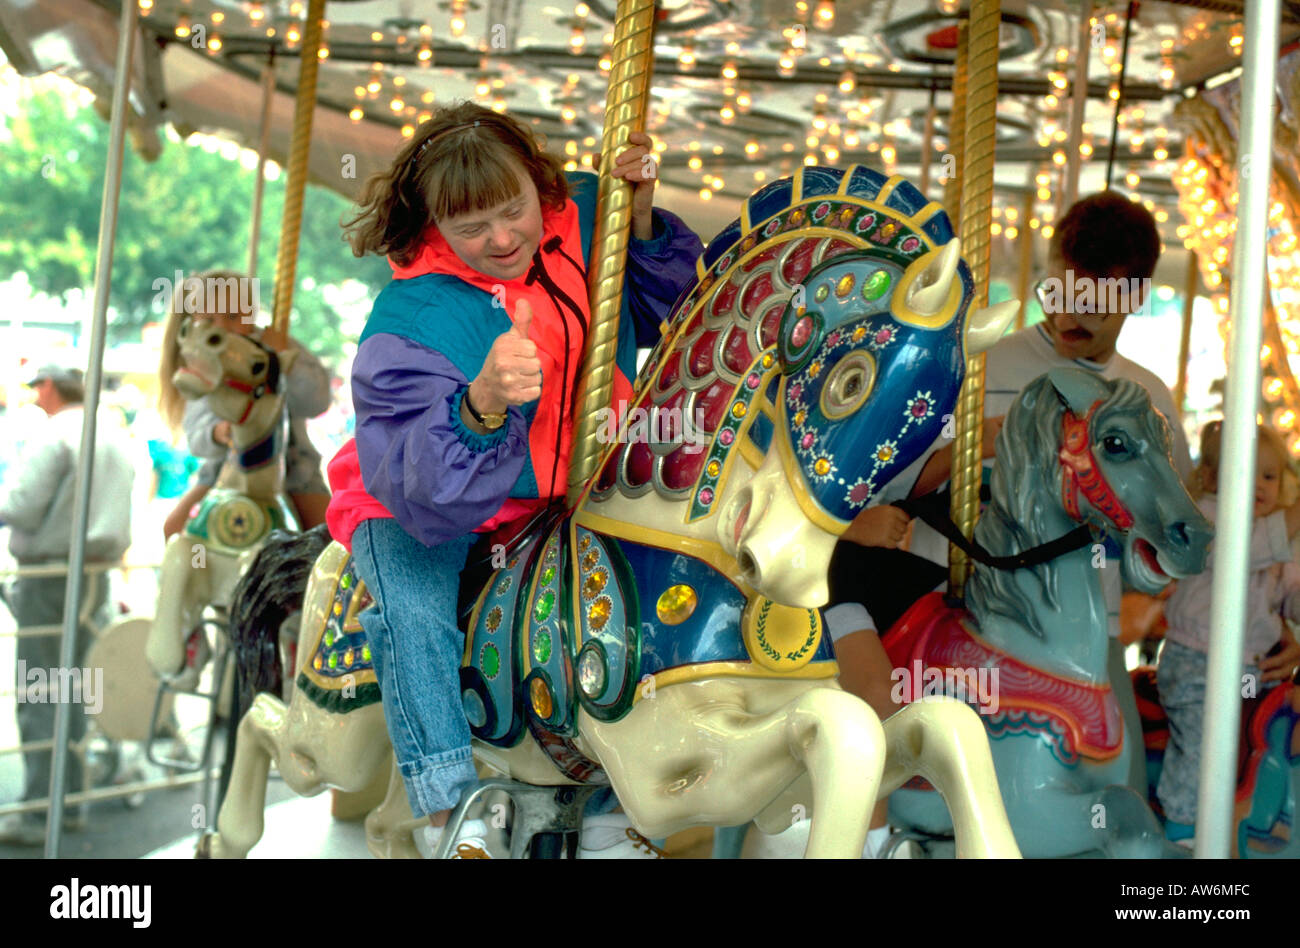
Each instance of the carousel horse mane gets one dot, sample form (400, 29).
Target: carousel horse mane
(1026, 507)
(267, 594)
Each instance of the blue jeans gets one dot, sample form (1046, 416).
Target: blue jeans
(417, 650)
(1180, 676)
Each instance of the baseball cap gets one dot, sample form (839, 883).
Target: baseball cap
(56, 373)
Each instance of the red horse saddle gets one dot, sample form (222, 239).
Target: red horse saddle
(936, 642)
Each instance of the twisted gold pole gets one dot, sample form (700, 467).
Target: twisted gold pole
(286, 261)
(629, 90)
(263, 149)
(957, 127)
(1185, 340)
(976, 217)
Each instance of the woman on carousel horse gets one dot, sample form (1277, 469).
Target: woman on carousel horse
(464, 417)
(464, 386)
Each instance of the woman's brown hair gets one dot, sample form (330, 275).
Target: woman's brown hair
(219, 285)
(467, 158)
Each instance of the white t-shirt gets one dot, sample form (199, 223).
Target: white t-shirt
(1014, 362)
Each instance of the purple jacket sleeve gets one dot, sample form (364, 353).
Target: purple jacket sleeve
(439, 479)
(658, 270)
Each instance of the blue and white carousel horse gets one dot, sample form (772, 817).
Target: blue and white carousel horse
(663, 637)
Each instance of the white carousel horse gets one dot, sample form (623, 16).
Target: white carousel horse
(664, 638)
(241, 379)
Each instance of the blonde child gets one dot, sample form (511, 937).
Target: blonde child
(1274, 592)
(209, 438)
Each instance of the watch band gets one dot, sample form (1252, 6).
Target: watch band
(491, 420)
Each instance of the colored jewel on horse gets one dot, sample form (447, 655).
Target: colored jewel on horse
(664, 637)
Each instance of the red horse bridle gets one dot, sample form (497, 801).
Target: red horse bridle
(1083, 475)
(268, 384)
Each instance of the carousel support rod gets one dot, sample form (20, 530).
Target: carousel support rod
(94, 377)
(1214, 814)
(1078, 104)
(976, 219)
(927, 145)
(957, 126)
(286, 263)
(1190, 286)
(263, 148)
(1027, 235)
(632, 58)
(1119, 100)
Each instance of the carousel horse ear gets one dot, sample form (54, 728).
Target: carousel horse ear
(987, 325)
(1079, 389)
(930, 290)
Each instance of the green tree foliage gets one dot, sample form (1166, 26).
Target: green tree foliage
(189, 210)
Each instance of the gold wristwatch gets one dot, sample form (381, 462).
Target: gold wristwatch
(488, 419)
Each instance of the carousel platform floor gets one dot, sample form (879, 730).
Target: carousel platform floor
(298, 828)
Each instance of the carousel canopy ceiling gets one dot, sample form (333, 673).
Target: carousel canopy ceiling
(744, 90)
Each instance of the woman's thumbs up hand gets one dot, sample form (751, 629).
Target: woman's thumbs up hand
(512, 372)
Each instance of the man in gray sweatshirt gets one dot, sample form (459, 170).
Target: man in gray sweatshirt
(36, 502)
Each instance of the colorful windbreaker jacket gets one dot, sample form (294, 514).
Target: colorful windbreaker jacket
(429, 334)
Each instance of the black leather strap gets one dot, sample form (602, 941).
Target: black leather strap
(473, 412)
(929, 510)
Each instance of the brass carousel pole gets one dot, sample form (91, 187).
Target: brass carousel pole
(957, 127)
(976, 218)
(263, 147)
(625, 102)
(1078, 103)
(1027, 234)
(1185, 342)
(286, 262)
(927, 145)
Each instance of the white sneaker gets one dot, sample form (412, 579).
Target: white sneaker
(611, 836)
(470, 842)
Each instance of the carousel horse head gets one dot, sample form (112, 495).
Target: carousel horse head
(234, 371)
(1102, 449)
(871, 357)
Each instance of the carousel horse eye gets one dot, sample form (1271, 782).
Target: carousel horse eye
(1114, 444)
(848, 385)
(214, 339)
(258, 367)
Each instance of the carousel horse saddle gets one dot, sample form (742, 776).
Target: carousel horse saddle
(939, 648)
(337, 672)
(576, 620)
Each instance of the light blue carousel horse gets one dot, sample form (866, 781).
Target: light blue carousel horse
(1075, 448)
(663, 637)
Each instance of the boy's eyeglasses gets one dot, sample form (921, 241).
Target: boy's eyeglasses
(1042, 291)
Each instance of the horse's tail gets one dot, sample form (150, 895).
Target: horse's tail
(267, 594)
